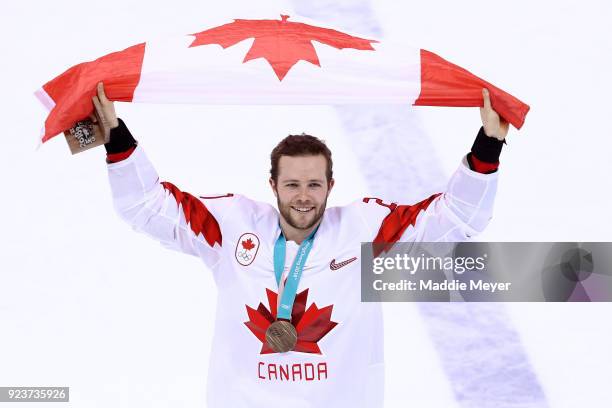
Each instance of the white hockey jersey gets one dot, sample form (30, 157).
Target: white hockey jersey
(338, 359)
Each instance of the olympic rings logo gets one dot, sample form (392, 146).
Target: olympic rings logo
(247, 247)
(244, 255)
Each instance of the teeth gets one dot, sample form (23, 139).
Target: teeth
(303, 209)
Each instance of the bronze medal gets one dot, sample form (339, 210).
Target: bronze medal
(281, 336)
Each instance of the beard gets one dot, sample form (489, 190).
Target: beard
(298, 220)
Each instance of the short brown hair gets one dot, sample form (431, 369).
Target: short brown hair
(300, 145)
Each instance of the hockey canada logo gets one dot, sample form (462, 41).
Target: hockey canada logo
(246, 248)
(311, 325)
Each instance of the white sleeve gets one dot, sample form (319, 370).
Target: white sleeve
(177, 219)
(461, 212)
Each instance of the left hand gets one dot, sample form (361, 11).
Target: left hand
(108, 108)
(494, 125)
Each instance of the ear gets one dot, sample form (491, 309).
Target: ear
(273, 185)
(330, 185)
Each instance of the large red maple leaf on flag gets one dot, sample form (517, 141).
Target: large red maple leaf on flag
(311, 325)
(280, 42)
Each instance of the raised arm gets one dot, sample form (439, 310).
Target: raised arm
(176, 218)
(464, 209)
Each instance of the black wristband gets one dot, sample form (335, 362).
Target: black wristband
(487, 149)
(121, 140)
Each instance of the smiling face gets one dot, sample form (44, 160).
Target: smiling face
(301, 191)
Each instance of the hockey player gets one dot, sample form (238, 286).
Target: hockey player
(290, 328)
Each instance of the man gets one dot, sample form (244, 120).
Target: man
(290, 327)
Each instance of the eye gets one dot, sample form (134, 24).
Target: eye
(291, 185)
(314, 185)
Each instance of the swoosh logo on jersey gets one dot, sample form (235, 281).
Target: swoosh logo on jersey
(335, 266)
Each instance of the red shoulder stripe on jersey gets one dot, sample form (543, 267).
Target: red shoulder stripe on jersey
(394, 224)
(117, 157)
(196, 214)
(219, 196)
(480, 166)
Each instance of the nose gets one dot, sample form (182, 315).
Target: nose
(302, 195)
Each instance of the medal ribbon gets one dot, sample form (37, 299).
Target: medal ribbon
(295, 273)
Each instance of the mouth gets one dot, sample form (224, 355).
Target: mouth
(302, 210)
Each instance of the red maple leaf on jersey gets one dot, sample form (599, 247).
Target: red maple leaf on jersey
(280, 42)
(248, 244)
(311, 325)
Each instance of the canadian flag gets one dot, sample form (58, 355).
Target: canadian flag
(268, 62)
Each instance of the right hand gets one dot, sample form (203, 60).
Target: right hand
(108, 107)
(494, 125)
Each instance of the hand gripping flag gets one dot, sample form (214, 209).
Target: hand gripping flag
(268, 62)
